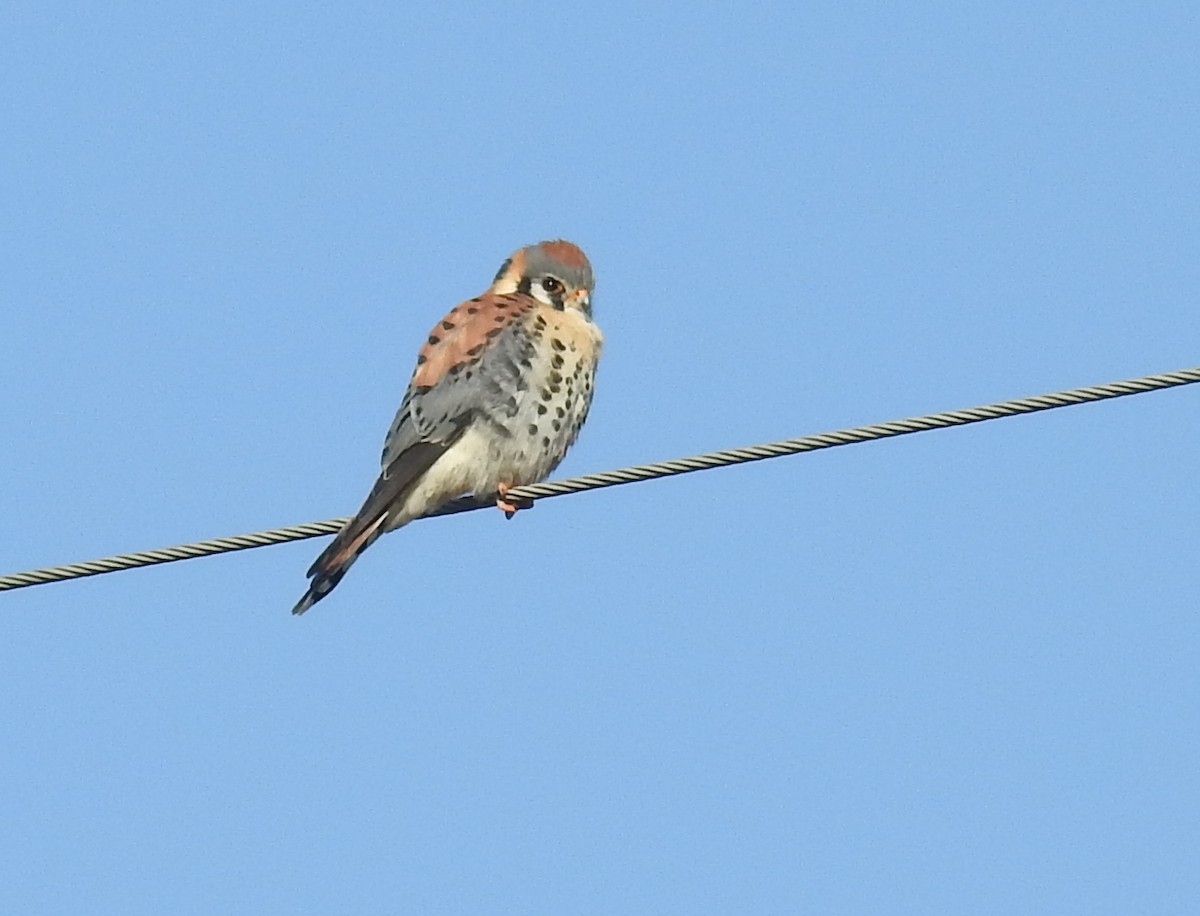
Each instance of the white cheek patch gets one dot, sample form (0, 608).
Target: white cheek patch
(540, 294)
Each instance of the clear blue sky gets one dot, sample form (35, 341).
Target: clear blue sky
(953, 673)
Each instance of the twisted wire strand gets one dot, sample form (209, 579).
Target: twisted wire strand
(626, 475)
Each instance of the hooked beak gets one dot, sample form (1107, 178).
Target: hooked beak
(582, 300)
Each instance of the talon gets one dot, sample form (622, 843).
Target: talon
(510, 507)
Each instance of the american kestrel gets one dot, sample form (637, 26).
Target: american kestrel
(501, 388)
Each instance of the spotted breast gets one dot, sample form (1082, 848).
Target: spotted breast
(501, 388)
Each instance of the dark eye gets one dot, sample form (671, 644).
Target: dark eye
(552, 285)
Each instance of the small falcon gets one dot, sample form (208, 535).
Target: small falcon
(501, 388)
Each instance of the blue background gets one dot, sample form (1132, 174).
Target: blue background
(955, 672)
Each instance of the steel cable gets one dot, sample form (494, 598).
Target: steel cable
(626, 475)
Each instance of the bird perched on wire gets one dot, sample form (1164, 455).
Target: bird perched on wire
(501, 388)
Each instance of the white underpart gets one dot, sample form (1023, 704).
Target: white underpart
(471, 465)
(487, 455)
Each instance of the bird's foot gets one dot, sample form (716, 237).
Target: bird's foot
(510, 507)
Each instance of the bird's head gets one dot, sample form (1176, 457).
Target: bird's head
(556, 273)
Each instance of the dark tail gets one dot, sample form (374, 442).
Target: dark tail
(365, 528)
(338, 557)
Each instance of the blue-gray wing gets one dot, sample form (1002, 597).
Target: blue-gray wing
(473, 367)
